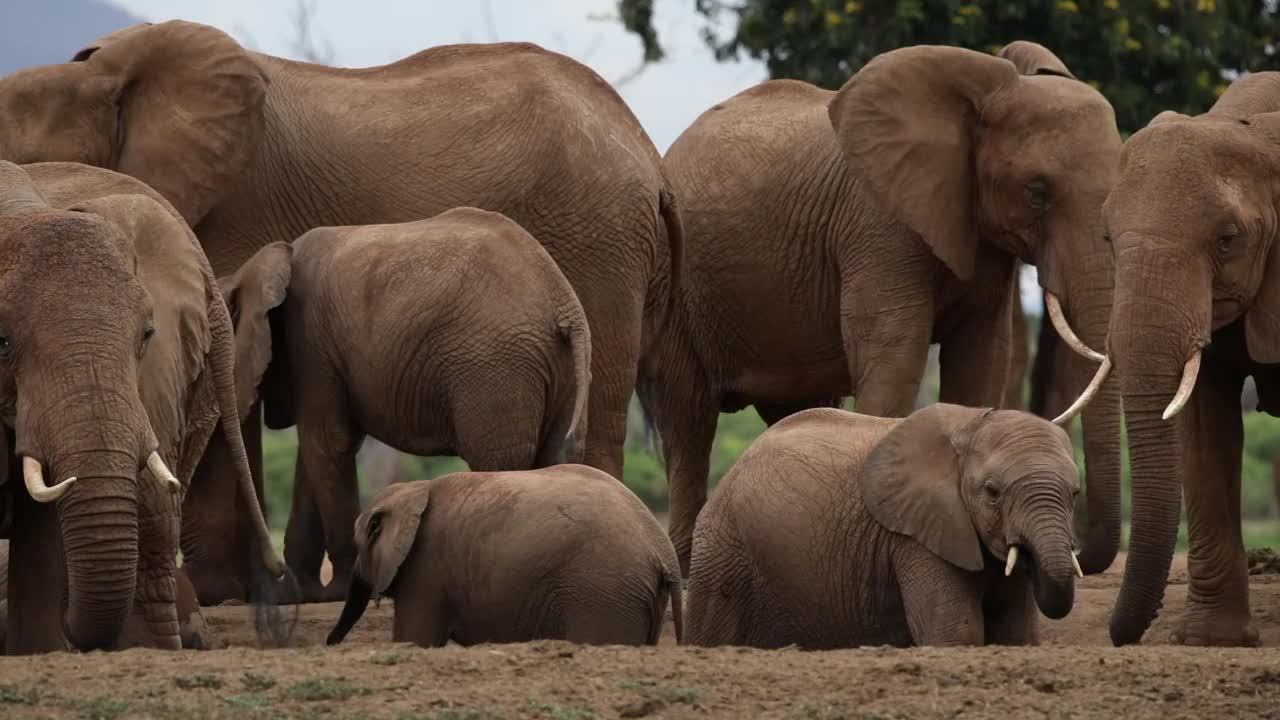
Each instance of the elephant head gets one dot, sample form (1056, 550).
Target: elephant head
(1193, 225)
(973, 484)
(965, 148)
(108, 313)
(177, 105)
(385, 533)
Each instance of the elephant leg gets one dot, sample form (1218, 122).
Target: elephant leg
(192, 628)
(771, 413)
(1217, 611)
(975, 358)
(615, 317)
(686, 422)
(327, 454)
(304, 544)
(887, 352)
(1010, 614)
(37, 578)
(942, 602)
(156, 592)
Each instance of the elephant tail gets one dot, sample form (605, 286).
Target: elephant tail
(358, 594)
(669, 586)
(675, 246)
(575, 331)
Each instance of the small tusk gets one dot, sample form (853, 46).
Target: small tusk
(161, 472)
(1190, 372)
(1013, 560)
(34, 478)
(1086, 397)
(1054, 309)
(1076, 561)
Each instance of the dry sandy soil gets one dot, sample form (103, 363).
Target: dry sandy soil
(1074, 674)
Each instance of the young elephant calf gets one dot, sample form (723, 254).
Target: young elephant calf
(456, 335)
(563, 553)
(837, 530)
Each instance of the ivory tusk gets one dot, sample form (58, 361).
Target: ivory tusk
(1054, 308)
(1086, 397)
(1076, 561)
(1013, 560)
(1190, 372)
(161, 471)
(34, 478)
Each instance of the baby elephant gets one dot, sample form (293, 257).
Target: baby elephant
(563, 553)
(455, 335)
(839, 530)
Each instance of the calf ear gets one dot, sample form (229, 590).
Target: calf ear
(252, 293)
(911, 482)
(386, 531)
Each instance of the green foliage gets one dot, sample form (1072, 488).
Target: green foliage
(1144, 55)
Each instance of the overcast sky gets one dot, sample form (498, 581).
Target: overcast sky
(667, 96)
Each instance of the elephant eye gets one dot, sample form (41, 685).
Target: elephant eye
(4, 345)
(990, 488)
(1227, 239)
(148, 333)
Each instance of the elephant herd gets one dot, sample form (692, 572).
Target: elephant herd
(478, 251)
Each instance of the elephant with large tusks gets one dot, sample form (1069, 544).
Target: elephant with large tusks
(1194, 225)
(116, 368)
(834, 236)
(254, 149)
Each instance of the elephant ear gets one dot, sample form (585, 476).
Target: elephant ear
(906, 123)
(386, 531)
(1262, 319)
(1034, 59)
(172, 267)
(252, 293)
(911, 482)
(190, 109)
(17, 191)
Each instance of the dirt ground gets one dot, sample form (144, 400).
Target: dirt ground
(1074, 674)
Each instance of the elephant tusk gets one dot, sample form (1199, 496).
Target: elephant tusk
(1087, 396)
(161, 472)
(1054, 308)
(34, 478)
(1013, 560)
(1075, 560)
(1190, 372)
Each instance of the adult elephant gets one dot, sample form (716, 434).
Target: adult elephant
(824, 263)
(117, 362)
(1193, 224)
(253, 149)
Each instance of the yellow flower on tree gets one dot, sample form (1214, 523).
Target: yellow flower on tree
(1111, 4)
(1162, 4)
(969, 10)
(1068, 6)
(852, 7)
(1219, 89)
(1122, 26)
(833, 18)
(790, 16)
(1131, 44)
(1206, 6)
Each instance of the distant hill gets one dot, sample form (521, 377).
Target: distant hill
(41, 32)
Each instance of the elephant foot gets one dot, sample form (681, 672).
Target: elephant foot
(1207, 626)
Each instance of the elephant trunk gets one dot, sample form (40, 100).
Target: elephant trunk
(99, 522)
(1100, 426)
(1152, 340)
(1044, 530)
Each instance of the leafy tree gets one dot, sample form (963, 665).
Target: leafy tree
(1144, 55)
